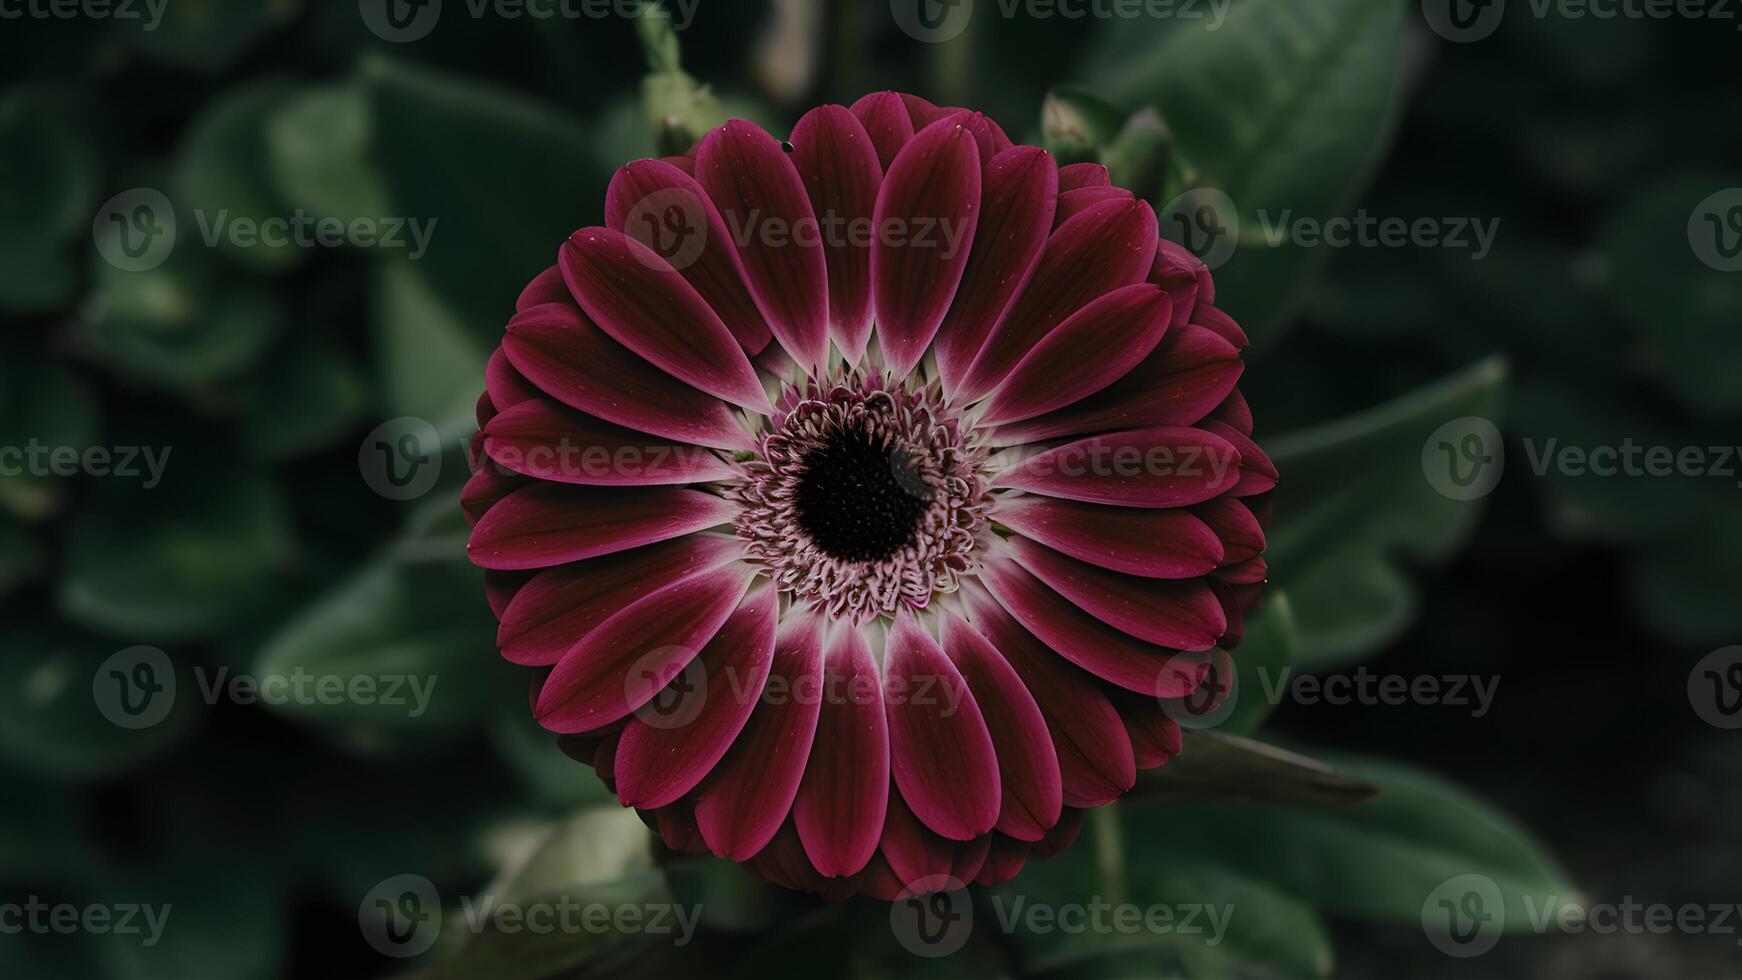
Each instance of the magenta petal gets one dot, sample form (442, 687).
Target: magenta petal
(1095, 760)
(558, 349)
(664, 755)
(1076, 176)
(1018, 194)
(1073, 203)
(1155, 735)
(503, 384)
(1257, 472)
(1102, 650)
(663, 207)
(923, 860)
(1183, 615)
(1187, 375)
(922, 111)
(1108, 246)
(766, 209)
(1091, 349)
(546, 287)
(563, 604)
(1004, 860)
(940, 751)
(548, 524)
(1235, 524)
(886, 121)
(841, 801)
(487, 486)
(544, 439)
(1234, 412)
(1163, 466)
(622, 664)
(926, 212)
(1171, 543)
(633, 295)
(500, 588)
(1184, 276)
(1211, 318)
(839, 166)
(1028, 766)
(747, 797)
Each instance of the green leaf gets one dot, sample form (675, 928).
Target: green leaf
(223, 173)
(19, 556)
(209, 34)
(405, 647)
(1684, 308)
(1355, 502)
(49, 718)
(310, 397)
(504, 180)
(1285, 106)
(1265, 927)
(598, 856)
(1268, 649)
(1378, 860)
(48, 190)
(319, 142)
(1076, 124)
(1214, 766)
(431, 360)
(44, 408)
(179, 560)
(183, 325)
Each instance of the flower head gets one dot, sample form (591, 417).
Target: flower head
(865, 502)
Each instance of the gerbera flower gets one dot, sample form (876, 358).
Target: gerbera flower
(867, 500)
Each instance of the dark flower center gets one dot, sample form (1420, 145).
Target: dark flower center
(860, 498)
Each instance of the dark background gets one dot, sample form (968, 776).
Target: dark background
(1590, 598)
